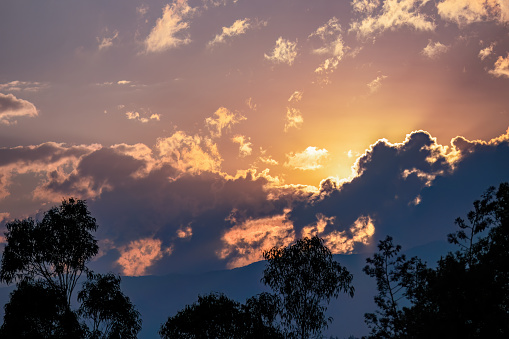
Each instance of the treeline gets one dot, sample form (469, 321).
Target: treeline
(465, 295)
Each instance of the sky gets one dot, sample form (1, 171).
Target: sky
(203, 132)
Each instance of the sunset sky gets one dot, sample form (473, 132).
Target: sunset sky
(202, 132)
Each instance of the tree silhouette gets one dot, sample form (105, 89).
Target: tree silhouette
(216, 316)
(398, 279)
(111, 312)
(306, 277)
(467, 294)
(55, 249)
(36, 310)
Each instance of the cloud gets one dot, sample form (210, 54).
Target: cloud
(375, 85)
(294, 118)
(393, 14)
(170, 30)
(17, 86)
(332, 44)
(365, 6)
(464, 12)
(501, 67)
(189, 153)
(285, 52)
(48, 162)
(239, 27)
(310, 159)
(251, 104)
(486, 52)
(245, 147)
(412, 190)
(139, 255)
(185, 232)
(12, 108)
(246, 241)
(222, 119)
(434, 49)
(296, 97)
(107, 41)
(138, 117)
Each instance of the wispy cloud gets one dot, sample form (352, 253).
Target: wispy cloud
(140, 254)
(294, 118)
(18, 86)
(245, 146)
(375, 85)
(107, 41)
(239, 27)
(142, 119)
(464, 12)
(311, 158)
(486, 52)
(170, 30)
(501, 67)
(284, 52)
(296, 97)
(434, 49)
(12, 108)
(222, 119)
(393, 14)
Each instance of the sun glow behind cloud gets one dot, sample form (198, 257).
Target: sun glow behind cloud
(176, 117)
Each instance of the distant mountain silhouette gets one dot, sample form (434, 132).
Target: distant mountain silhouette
(158, 297)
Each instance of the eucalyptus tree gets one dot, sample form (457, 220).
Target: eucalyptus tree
(55, 249)
(306, 278)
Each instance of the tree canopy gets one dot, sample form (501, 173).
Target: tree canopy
(216, 316)
(306, 277)
(111, 312)
(467, 294)
(55, 249)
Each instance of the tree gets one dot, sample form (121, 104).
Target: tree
(55, 249)
(111, 312)
(260, 313)
(213, 316)
(216, 316)
(36, 310)
(465, 296)
(398, 280)
(306, 277)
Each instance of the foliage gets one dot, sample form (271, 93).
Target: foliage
(36, 310)
(55, 249)
(467, 294)
(397, 280)
(260, 314)
(111, 312)
(306, 277)
(216, 316)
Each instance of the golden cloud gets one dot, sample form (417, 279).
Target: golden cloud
(501, 67)
(169, 31)
(189, 153)
(294, 118)
(247, 241)
(139, 255)
(394, 14)
(465, 12)
(310, 159)
(222, 119)
(434, 49)
(284, 52)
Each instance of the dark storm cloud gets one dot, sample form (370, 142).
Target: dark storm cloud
(413, 191)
